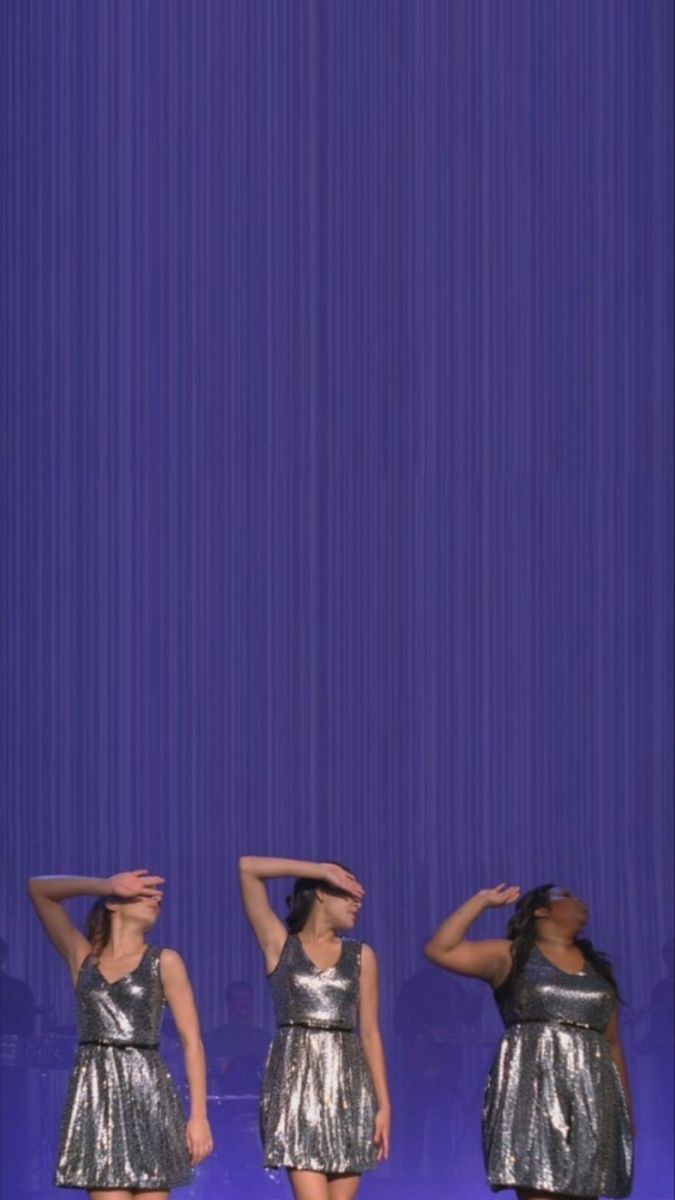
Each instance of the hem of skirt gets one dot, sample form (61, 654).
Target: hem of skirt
(147, 1185)
(281, 1165)
(503, 1185)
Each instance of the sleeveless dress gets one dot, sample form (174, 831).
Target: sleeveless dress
(123, 1125)
(555, 1116)
(318, 1105)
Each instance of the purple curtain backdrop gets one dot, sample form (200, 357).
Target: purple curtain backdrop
(337, 493)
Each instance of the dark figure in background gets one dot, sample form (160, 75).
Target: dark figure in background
(557, 1112)
(658, 1042)
(661, 1035)
(438, 1022)
(17, 1006)
(236, 1051)
(17, 1023)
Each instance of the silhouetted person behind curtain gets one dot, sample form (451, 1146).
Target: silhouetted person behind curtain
(236, 1051)
(436, 1019)
(659, 1042)
(17, 1022)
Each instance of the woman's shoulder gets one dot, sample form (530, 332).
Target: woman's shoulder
(166, 959)
(359, 951)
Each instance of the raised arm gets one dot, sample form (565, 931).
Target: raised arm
(490, 959)
(371, 1039)
(48, 893)
(180, 998)
(268, 928)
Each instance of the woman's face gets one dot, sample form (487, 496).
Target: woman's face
(340, 908)
(567, 908)
(144, 911)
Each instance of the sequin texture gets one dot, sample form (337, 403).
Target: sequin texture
(555, 1116)
(318, 1102)
(123, 1125)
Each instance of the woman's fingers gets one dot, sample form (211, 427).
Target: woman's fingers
(201, 1151)
(135, 883)
(382, 1148)
(148, 885)
(381, 1138)
(352, 885)
(504, 894)
(344, 880)
(199, 1147)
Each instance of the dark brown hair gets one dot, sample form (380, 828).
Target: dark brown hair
(98, 926)
(301, 900)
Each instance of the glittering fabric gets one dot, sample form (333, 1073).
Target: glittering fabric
(318, 1103)
(123, 1126)
(555, 1116)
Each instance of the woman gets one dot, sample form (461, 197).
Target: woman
(123, 1132)
(325, 1110)
(556, 1117)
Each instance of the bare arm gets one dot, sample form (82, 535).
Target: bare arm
(268, 928)
(373, 1049)
(449, 948)
(180, 998)
(613, 1035)
(48, 893)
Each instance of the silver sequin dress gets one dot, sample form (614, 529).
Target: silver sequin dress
(555, 1116)
(318, 1102)
(123, 1125)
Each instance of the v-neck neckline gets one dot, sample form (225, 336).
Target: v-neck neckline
(128, 975)
(322, 970)
(569, 974)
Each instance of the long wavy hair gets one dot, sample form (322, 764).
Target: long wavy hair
(522, 932)
(98, 926)
(300, 902)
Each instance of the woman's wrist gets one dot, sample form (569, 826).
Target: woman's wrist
(92, 886)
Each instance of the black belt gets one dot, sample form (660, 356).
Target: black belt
(123, 1045)
(317, 1028)
(557, 1024)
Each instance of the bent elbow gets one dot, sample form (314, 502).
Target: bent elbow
(431, 952)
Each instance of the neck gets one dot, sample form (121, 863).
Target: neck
(556, 937)
(124, 942)
(317, 929)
